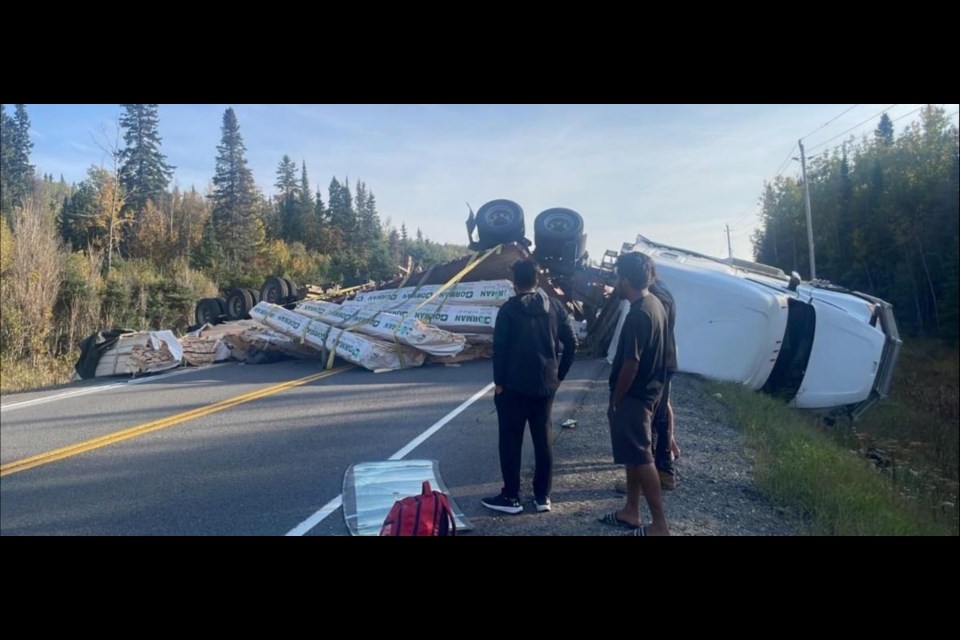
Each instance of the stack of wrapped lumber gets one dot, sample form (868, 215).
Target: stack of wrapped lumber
(366, 351)
(204, 346)
(141, 352)
(386, 326)
(199, 351)
(467, 309)
(257, 344)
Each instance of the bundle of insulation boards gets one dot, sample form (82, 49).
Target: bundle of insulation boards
(396, 328)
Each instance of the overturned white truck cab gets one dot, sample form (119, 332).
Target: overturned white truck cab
(817, 345)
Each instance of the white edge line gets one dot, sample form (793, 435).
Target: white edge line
(316, 518)
(335, 504)
(89, 390)
(416, 442)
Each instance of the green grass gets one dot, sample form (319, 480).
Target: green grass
(802, 466)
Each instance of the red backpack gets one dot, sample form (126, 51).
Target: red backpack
(428, 514)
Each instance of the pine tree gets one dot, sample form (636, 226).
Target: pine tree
(238, 229)
(6, 161)
(286, 176)
(306, 211)
(144, 172)
(343, 219)
(17, 172)
(393, 244)
(286, 185)
(884, 131)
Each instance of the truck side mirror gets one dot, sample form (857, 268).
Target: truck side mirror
(794, 281)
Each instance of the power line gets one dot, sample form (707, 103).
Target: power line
(826, 123)
(825, 151)
(905, 115)
(740, 219)
(785, 160)
(851, 128)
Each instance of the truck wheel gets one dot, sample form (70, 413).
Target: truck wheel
(499, 221)
(292, 293)
(239, 303)
(207, 311)
(554, 228)
(274, 290)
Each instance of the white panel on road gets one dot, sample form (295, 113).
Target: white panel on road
(371, 488)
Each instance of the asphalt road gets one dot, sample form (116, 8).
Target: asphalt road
(235, 450)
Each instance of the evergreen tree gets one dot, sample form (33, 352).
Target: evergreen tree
(394, 246)
(16, 172)
(286, 176)
(884, 131)
(239, 231)
(286, 185)
(343, 219)
(305, 209)
(6, 161)
(144, 172)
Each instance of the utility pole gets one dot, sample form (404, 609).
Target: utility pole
(729, 248)
(806, 200)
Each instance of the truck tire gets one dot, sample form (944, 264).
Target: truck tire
(274, 290)
(239, 303)
(223, 305)
(554, 228)
(292, 293)
(207, 311)
(499, 221)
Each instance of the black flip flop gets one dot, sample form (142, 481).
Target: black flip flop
(612, 520)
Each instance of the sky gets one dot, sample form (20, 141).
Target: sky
(677, 174)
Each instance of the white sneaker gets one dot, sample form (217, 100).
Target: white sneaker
(542, 506)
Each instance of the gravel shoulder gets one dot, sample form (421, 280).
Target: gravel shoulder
(715, 495)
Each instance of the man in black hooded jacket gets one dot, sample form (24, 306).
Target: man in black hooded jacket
(527, 370)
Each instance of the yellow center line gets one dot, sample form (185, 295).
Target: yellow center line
(112, 438)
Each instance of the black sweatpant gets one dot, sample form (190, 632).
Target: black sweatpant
(514, 410)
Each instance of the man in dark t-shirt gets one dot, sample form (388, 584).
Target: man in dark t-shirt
(637, 378)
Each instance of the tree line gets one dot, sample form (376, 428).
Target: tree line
(123, 248)
(885, 212)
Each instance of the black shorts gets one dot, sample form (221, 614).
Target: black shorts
(630, 427)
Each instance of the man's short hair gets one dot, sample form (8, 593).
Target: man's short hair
(637, 268)
(525, 274)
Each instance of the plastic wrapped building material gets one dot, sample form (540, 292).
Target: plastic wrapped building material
(365, 351)
(141, 352)
(486, 292)
(448, 316)
(386, 326)
(258, 344)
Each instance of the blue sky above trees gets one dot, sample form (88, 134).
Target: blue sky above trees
(675, 173)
